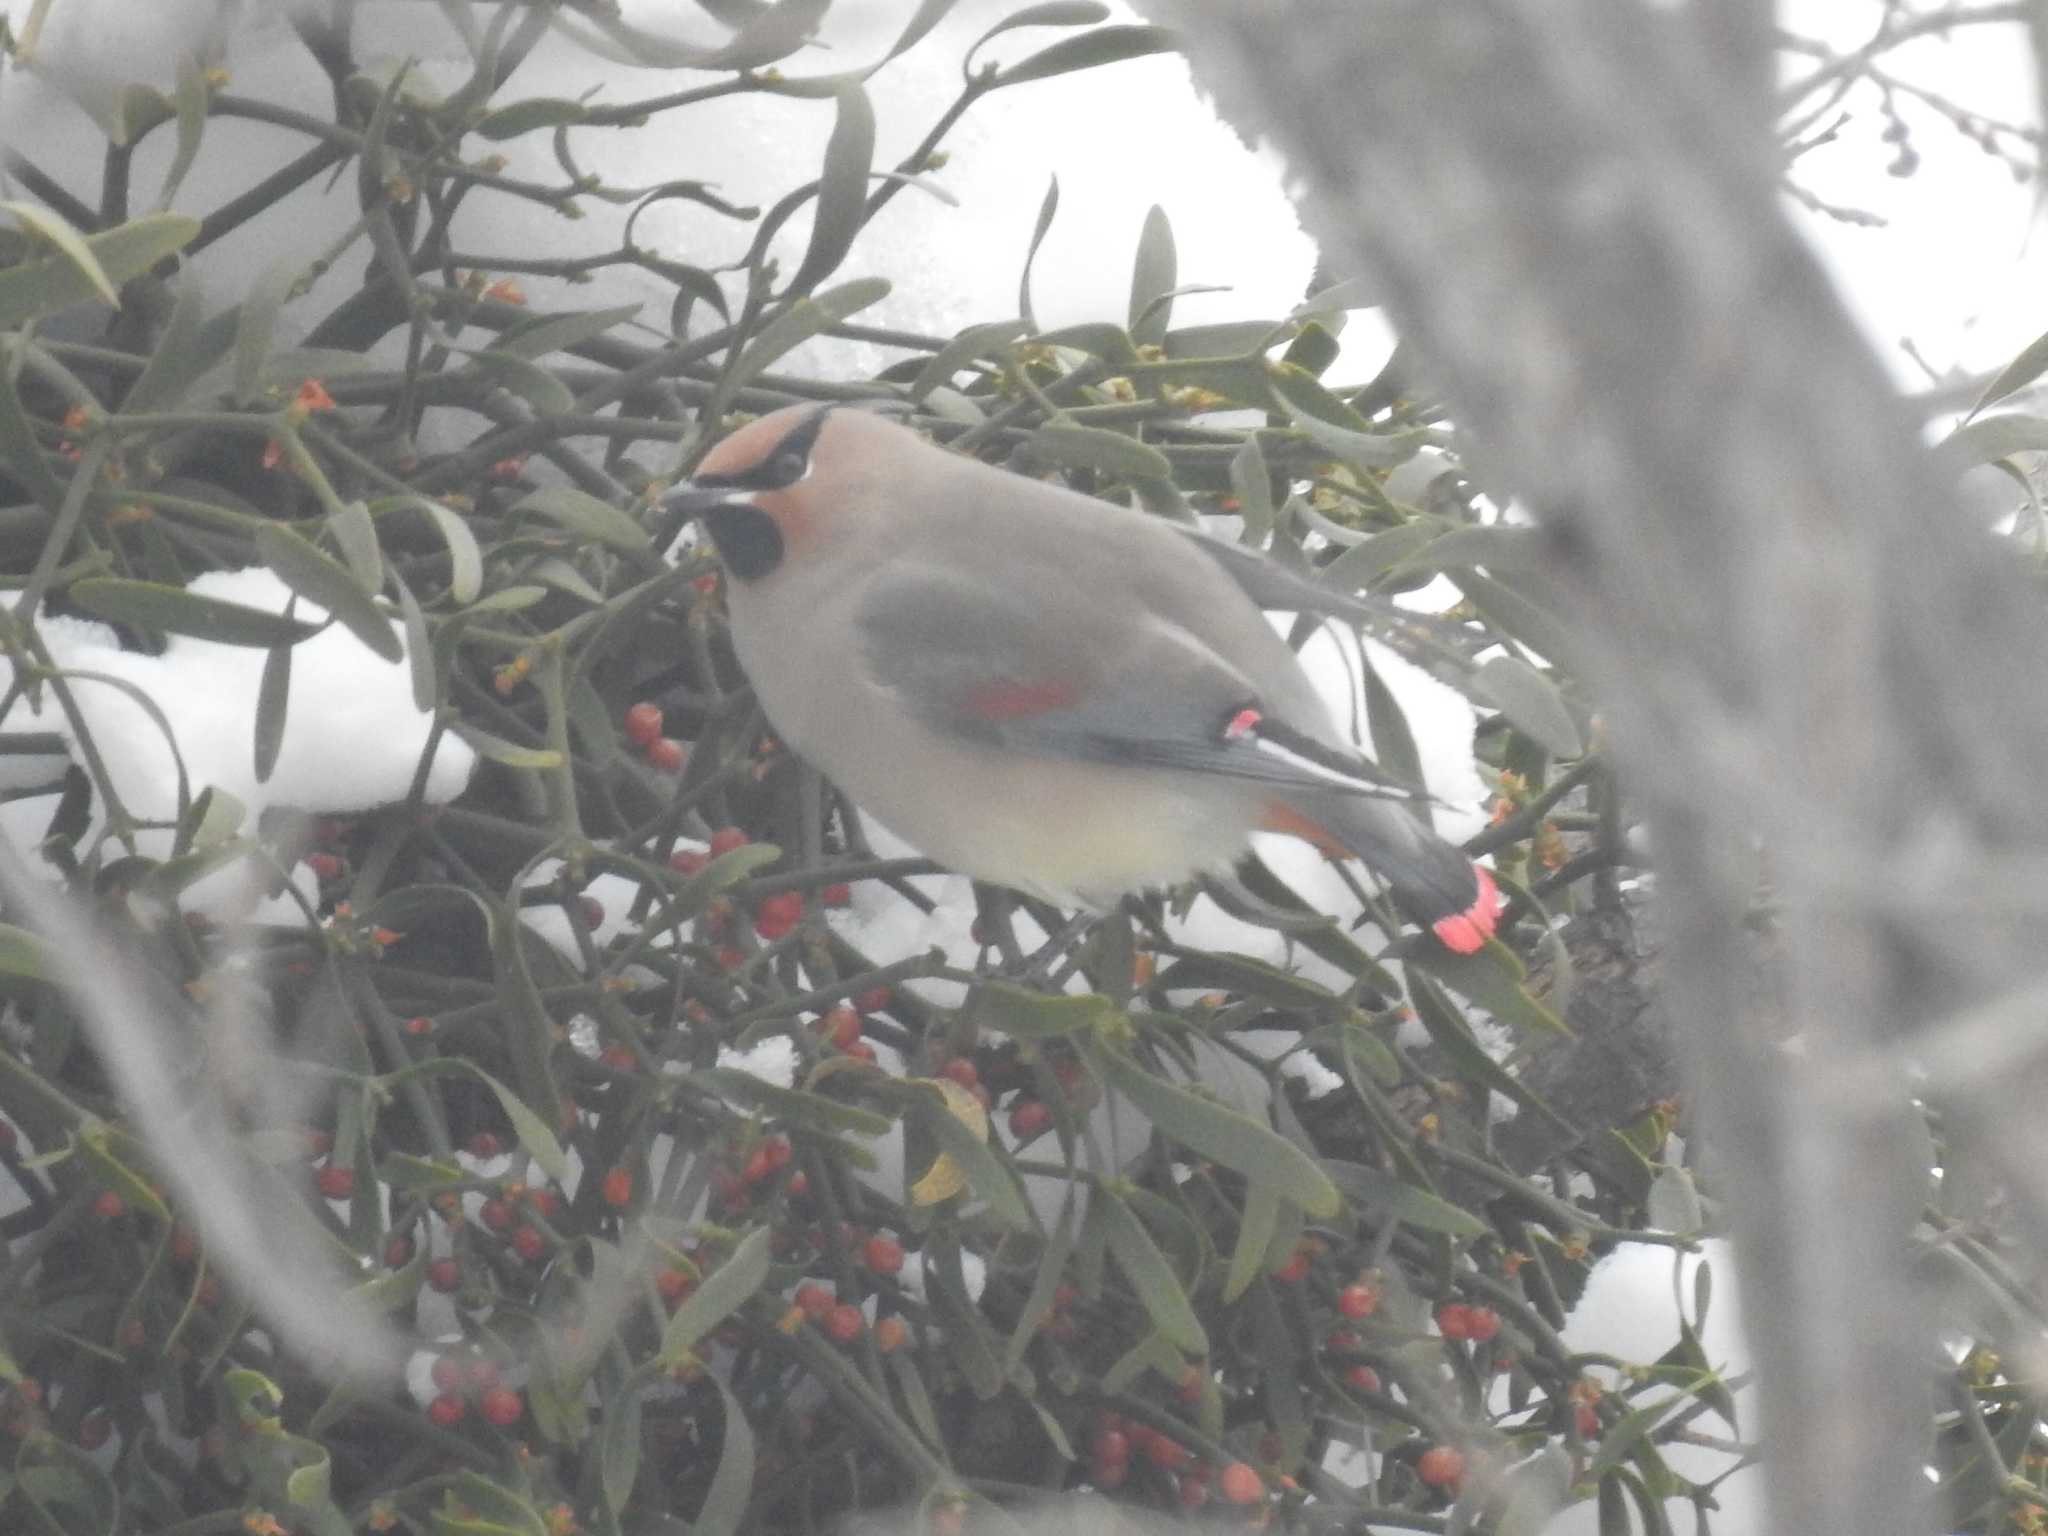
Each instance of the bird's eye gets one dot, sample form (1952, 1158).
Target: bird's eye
(789, 466)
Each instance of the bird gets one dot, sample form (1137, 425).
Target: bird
(1035, 687)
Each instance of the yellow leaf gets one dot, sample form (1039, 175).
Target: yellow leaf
(945, 1178)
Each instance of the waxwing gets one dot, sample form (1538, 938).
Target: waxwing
(1037, 688)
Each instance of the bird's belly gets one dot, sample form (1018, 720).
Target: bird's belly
(1068, 831)
(1065, 831)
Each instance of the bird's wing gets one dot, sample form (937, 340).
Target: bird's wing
(1050, 678)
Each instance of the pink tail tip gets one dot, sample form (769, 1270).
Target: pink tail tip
(1466, 932)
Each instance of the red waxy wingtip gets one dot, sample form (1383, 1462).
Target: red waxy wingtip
(1466, 932)
(1009, 700)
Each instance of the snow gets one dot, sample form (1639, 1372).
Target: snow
(353, 737)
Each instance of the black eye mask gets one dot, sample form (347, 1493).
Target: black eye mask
(748, 541)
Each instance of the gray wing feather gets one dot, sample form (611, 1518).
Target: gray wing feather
(1054, 679)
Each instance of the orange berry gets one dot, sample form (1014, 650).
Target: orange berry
(1028, 1117)
(840, 1026)
(447, 1410)
(1441, 1466)
(1357, 1301)
(813, 1300)
(779, 914)
(502, 1406)
(1165, 1452)
(618, 1187)
(883, 1255)
(891, 1334)
(642, 724)
(962, 1070)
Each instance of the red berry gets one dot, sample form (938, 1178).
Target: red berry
(799, 1185)
(840, 1026)
(445, 1276)
(485, 1144)
(397, 1251)
(448, 1374)
(1441, 1466)
(844, 1322)
(1240, 1484)
(1189, 1388)
(961, 1070)
(729, 958)
(837, 894)
(1356, 1301)
(325, 866)
(1481, 1323)
(109, 1206)
(1586, 1420)
(1342, 1341)
(890, 1334)
(502, 1406)
(674, 1285)
(447, 1410)
(1294, 1268)
(874, 1000)
(619, 1058)
(1362, 1378)
(643, 724)
(546, 1202)
(883, 1255)
(1454, 1320)
(336, 1181)
(1110, 1474)
(592, 910)
(9, 1137)
(481, 1375)
(1029, 1117)
(1165, 1452)
(618, 1187)
(1110, 1447)
(497, 1214)
(725, 839)
(779, 914)
(529, 1242)
(688, 861)
(419, 1025)
(813, 1300)
(667, 755)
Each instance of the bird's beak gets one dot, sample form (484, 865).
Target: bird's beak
(689, 501)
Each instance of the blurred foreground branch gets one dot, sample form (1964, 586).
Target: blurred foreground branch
(1584, 244)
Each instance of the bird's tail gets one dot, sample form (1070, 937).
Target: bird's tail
(1430, 881)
